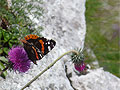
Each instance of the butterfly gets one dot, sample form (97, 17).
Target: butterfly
(37, 47)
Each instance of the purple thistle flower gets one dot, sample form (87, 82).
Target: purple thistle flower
(19, 59)
(80, 66)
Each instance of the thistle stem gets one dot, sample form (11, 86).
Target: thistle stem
(28, 84)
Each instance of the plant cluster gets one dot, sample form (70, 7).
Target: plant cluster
(15, 23)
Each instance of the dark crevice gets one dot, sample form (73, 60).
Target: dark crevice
(68, 76)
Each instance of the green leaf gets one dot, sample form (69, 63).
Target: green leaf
(3, 59)
(14, 38)
(10, 44)
(0, 33)
(4, 74)
(1, 51)
(13, 41)
(5, 50)
(6, 36)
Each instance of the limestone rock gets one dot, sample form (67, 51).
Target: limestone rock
(64, 21)
(97, 79)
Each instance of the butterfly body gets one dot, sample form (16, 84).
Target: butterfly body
(37, 47)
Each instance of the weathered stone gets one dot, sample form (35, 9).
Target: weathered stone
(64, 21)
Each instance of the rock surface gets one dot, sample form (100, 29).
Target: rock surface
(97, 79)
(64, 21)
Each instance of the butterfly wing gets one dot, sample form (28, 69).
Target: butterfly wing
(36, 47)
(31, 51)
(45, 45)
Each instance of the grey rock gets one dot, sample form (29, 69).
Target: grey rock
(96, 79)
(64, 21)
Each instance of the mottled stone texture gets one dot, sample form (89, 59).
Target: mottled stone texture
(63, 21)
(97, 79)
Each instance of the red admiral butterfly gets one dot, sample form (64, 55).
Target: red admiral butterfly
(37, 47)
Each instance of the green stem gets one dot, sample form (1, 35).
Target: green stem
(73, 51)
